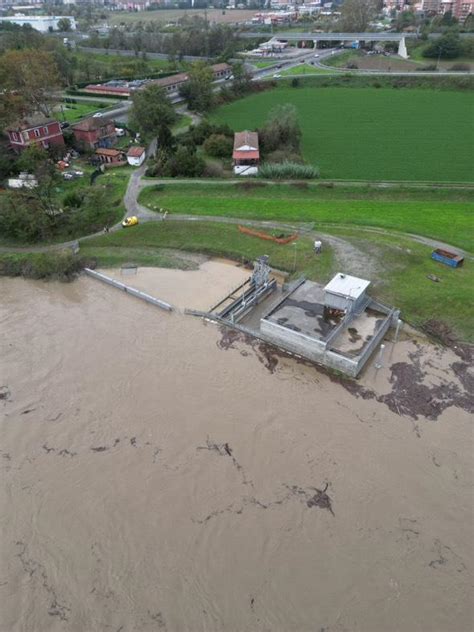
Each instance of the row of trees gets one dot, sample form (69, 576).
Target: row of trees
(193, 36)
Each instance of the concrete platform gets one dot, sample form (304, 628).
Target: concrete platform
(352, 340)
(303, 311)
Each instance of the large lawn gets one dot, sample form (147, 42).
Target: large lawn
(375, 134)
(448, 221)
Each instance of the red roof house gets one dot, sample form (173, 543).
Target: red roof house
(113, 157)
(35, 130)
(246, 154)
(136, 156)
(94, 132)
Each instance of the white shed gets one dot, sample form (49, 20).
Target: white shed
(136, 156)
(345, 292)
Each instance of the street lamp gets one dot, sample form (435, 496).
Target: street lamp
(295, 243)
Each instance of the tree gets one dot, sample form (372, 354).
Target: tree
(356, 15)
(186, 163)
(33, 214)
(448, 46)
(197, 91)
(29, 80)
(219, 146)
(282, 130)
(64, 24)
(152, 112)
(242, 79)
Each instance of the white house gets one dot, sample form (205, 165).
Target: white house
(136, 156)
(246, 155)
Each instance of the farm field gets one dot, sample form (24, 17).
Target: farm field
(170, 15)
(387, 133)
(73, 112)
(444, 220)
(399, 267)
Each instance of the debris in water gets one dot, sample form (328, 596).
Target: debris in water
(321, 499)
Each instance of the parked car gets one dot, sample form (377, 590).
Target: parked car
(130, 221)
(119, 131)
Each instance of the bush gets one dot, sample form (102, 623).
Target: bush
(352, 65)
(218, 145)
(43, 265)
(288, 171)
(295, 82)
(428, 68)
(213, 170)
(460, 67)
(283, 155)
(73, 199)
(185, 164)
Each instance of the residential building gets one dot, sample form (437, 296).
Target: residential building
(246, 154)
(136, 156)
(94, 132)
(221, 71)
(35, 130)
(110, 157)
(463, 9)
(42, 23)
(173, 83)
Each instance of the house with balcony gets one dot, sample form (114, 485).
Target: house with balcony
(246, 154)
(94, 132)
(35, 130)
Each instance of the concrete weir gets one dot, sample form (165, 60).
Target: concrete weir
(129, 290)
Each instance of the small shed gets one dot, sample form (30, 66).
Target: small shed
(346, 293)
(136, 156)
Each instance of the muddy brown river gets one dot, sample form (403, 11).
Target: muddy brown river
(160, 474)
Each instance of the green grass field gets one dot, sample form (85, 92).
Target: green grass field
(305, 69)
(448, 221)
(376, 134)
(73, 112)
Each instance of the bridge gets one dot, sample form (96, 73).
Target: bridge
(340, 37)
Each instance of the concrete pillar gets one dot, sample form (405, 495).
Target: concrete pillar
(402, 49)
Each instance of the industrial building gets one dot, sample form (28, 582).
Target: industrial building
(338, 325)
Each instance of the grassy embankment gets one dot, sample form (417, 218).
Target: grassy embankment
(387, 133)
(436, 218)
(401, 265)
(141, 242)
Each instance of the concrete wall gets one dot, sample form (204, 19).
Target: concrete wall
(307, 347)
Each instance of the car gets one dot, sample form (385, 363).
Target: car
(97, 115)
(68, 176)
(316, 55)
(130, 221)
(277, 75)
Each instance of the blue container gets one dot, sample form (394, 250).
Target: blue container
(448, 258)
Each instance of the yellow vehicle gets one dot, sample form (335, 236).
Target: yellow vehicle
(130, 221)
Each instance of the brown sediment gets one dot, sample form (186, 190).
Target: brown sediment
(409, 395)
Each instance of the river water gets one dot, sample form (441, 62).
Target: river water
(161, 474)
